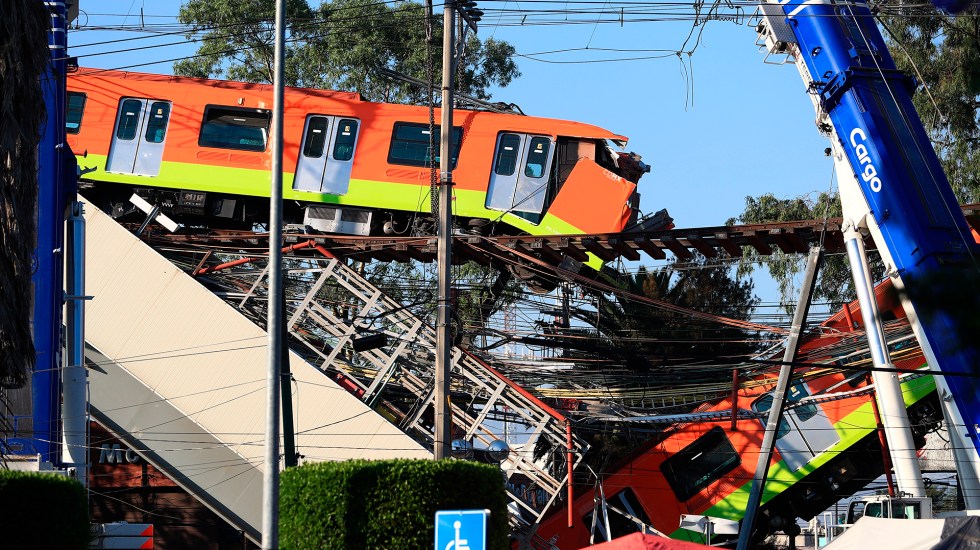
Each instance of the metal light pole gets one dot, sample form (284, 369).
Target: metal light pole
(779, 399)
(270, 493)
(444, 342)
(443, 412)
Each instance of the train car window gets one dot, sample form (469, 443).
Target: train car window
(129, 119)
(73, 116)
(700, 464)
(570, 152)
(855, 511)
(806, 411)
(763, 404)
(235, 128)
(156, 127)
(343, 143)
(316, 137)
(907, 510)
(537, 157)
(410, 144)
(508, 153)
(626, 516)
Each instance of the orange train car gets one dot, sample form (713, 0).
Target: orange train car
(826, 448)
(199, 149)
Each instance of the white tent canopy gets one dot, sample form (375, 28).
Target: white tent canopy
(910, 534)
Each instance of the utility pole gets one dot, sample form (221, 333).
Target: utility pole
(443, 412)
(444, 342)
(270, 493)
(779, 399)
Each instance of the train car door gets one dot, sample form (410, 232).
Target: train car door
(818, 431)
(139, 135)
(521, 171)
(803, 432)
(327, 154)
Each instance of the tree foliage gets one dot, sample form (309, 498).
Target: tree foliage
(834, 284)
(341, 45)
(653, 342)
(943, 52)
(648, 337)
(477, 292)
(23, 58)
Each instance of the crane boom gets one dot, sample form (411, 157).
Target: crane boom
(892, 183)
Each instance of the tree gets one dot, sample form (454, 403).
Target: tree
(652, 341)
(23, 59)
(352, 45)
(648, 337)
(479, 292)
(343, 45)
(835, 284)
(943, 53)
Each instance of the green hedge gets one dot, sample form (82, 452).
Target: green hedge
(385, 505)
(43, 511)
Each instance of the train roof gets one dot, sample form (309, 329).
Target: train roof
(556, 126)
(224, 84)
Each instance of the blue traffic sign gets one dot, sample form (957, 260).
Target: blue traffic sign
(461, 529)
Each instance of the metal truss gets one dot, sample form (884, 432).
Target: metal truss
(384, 353)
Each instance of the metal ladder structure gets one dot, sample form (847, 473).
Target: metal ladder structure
(384, 353)
(179, 375)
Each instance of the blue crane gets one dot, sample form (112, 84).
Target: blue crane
(57, 412)
(894, 189)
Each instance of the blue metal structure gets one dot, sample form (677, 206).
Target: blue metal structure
(893, 187)
(892, 183)
(56, 189)
(954, 6)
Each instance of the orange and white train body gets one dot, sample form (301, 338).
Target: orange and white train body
(200, 149)
(826, 448)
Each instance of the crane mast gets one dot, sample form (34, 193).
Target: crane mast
(892, 187)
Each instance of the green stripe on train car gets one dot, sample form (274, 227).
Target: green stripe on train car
(851, 429)
(361, 193)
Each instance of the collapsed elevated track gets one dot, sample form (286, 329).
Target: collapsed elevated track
(711, 242)
(536, 484)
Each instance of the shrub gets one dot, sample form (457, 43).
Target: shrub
(385, 505)
(43, 511)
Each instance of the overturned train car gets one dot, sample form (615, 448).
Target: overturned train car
(827, 447)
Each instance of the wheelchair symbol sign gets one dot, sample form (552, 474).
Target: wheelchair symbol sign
(461, 529)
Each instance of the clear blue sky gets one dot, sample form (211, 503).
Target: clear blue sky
(715, 126)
